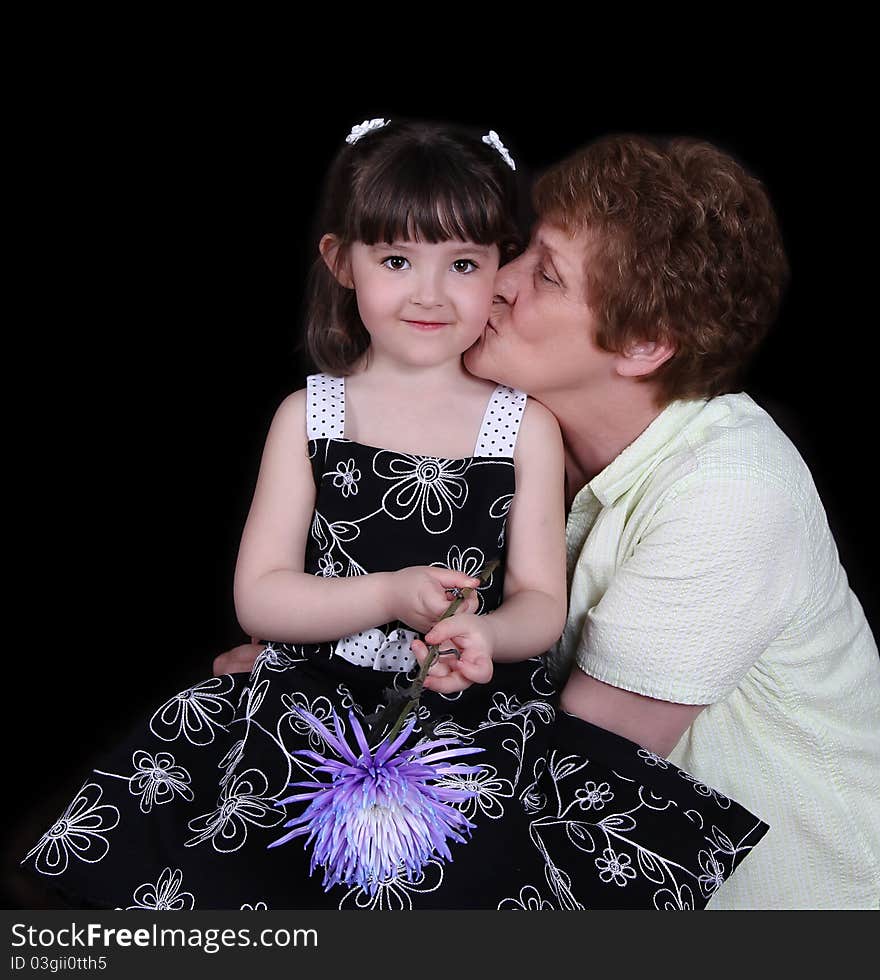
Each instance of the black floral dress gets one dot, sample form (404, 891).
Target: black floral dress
(564, 815)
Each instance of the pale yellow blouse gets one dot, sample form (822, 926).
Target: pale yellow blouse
(702, 570)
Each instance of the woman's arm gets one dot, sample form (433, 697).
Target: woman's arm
(716, 574)
(655, 725)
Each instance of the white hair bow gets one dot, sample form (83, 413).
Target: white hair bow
(493, 139)
(363, 128)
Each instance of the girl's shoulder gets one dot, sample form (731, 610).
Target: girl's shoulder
(289, 421)
(539, 432)
(293, 406)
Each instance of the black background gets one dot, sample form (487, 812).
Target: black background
(158, 267)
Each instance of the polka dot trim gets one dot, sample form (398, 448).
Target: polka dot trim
(325, 406)
(371, 648)
(501, 422)
(325, 416)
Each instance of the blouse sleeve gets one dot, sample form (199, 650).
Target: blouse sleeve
(717, 573)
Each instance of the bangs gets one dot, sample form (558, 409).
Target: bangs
(427, 201)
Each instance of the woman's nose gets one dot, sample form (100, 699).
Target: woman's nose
(506, 283)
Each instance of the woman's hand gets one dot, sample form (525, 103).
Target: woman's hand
(238, 660)
(474, 640)
(419, 595)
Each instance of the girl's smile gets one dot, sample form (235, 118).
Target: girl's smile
(427, 324)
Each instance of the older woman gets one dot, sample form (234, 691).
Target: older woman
(710, 620)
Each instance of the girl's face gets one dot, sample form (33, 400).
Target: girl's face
(423, 303)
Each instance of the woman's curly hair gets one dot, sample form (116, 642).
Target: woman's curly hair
(684, 249)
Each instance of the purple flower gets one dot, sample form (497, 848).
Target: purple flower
(381, 810)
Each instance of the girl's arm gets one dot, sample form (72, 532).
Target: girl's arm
(532, 615)
(274, 597)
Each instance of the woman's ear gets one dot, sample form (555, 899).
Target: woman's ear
(643, 357)
(337, 263)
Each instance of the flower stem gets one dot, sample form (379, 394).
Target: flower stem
(418, 684)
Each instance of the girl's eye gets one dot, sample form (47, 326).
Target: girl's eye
(395, 262)
(461, 265)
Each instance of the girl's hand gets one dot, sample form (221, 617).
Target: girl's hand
(418, 595)
(472, 636)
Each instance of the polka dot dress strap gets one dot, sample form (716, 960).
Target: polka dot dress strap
(325, 406)
(501, 422)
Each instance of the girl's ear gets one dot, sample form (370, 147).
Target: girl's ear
(330, 253)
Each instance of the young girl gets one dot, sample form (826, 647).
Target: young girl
(387, 484)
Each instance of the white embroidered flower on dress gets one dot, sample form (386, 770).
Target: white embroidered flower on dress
(428, 484)
(165, 895)
(394, 893)
(506, 707)
(529, 901)
(487, 788)
(273, 658)
(79, 831)
(244, 803)
(195, 712)
(614, 867)
(593, 796)
(328, 567)
(157, 779)
(712, 877)
(346, 477)
(705, 790)
(469, 561)
(321, 708)
(652, 759)
(447, 727)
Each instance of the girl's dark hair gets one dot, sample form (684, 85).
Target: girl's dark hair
(421, 181)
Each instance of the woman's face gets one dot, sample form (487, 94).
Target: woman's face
(540, 333)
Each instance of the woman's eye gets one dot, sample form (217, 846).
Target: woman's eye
(464, 265)
(545, 277)
(394, 262)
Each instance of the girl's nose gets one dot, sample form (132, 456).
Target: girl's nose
(426, 291)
